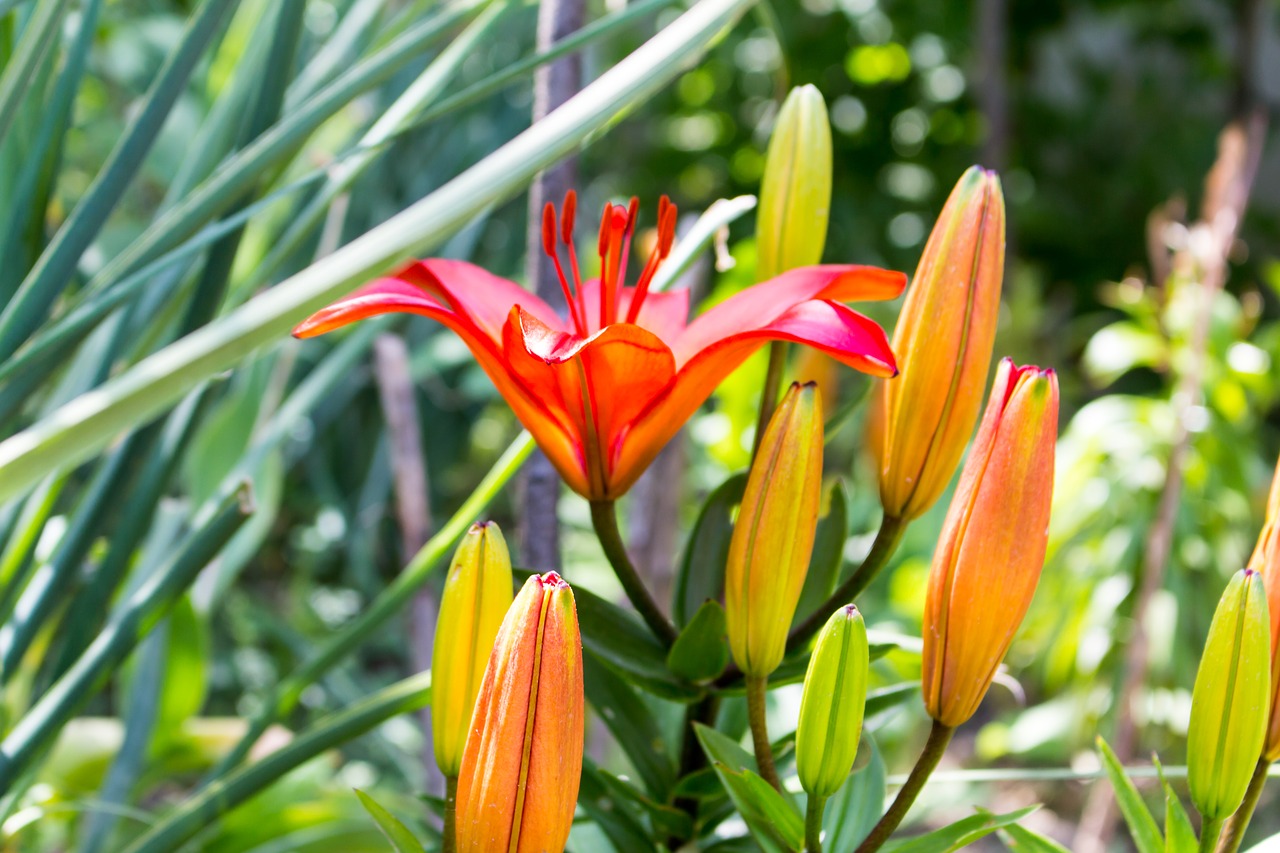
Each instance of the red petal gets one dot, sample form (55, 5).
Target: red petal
(599, 385)
(665, 313)
(827, 326)
(758, 306)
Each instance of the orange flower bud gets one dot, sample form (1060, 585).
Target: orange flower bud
(477, 594)
(773, 537)
(523, 760)
(943, 342)
(1266, 562)
(991, 552)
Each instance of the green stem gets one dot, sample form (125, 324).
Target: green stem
(886, 543)
(813, 824)
(450, 839)
(1239, 822)
(1209, 832)
(604, 518)
(939, 737)
(772, 389)
(756, 688)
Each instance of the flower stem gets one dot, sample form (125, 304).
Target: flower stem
(813, 824)
(1239, 822)
(772, 388)
(449, 843)
(1209, 832)
(760, 731)
(939, 737)
(604, 518)
(886, 542)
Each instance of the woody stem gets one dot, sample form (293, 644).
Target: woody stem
(604, 518)
(760, 731)
(772, 388)
(939, 737)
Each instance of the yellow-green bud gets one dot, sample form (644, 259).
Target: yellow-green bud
(1230, 702)
(477, 593)
(835, 693)
(773, 536)
(795, 195)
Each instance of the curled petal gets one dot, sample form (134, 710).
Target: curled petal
(599, 385)
(830, 327)
(757, 307)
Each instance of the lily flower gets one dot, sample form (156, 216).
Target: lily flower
(603, 390)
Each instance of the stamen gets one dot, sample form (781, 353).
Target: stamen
(612, 230)
(567, 217)
(549, 246)
(666, 237)
(566, 232)
(633, 210)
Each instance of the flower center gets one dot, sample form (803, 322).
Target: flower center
(617, 227)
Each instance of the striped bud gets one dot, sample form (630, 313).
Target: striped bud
(943, 342)
(477, 593)
(773, 536)
(523, 760)
(988, 560)
(1230, 700)
(831, 707)
(795, 195)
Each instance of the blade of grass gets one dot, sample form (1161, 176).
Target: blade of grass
(37, 39)
(240, 172)
(38, 291)
(85, 424)
(190, 817)
(425, 89)
(286, 694)
(132, 621)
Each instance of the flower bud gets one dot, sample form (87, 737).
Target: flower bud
(1229, 702)
(831, 707)
(991, 551)
(1266, 562)
(477, 593)
(773, 536)
(523, 760)
(943, 341)
(795, 195)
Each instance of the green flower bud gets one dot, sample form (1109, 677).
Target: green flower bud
(795, 195)
(835, 693)
(1231, 699)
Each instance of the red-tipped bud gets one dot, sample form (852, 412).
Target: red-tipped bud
(523, 760)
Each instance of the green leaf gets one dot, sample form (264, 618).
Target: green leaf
(958, 835)
(701, 652)
(395, 831)
(773, 820)
(1142, 826)
(618, 639)
(700, 577)
(1019, 839)
(859, 803)
(886, 699)
(1179, 835)
(84, 425)
(828, 553)
(666, 820)
(632, 723)
(623, 829)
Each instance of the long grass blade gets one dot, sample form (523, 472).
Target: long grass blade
(52, 272)
(80, 428)
(20, 72)
(402, 697)
(132, 621)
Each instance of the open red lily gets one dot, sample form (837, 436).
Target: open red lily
(603, 391)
